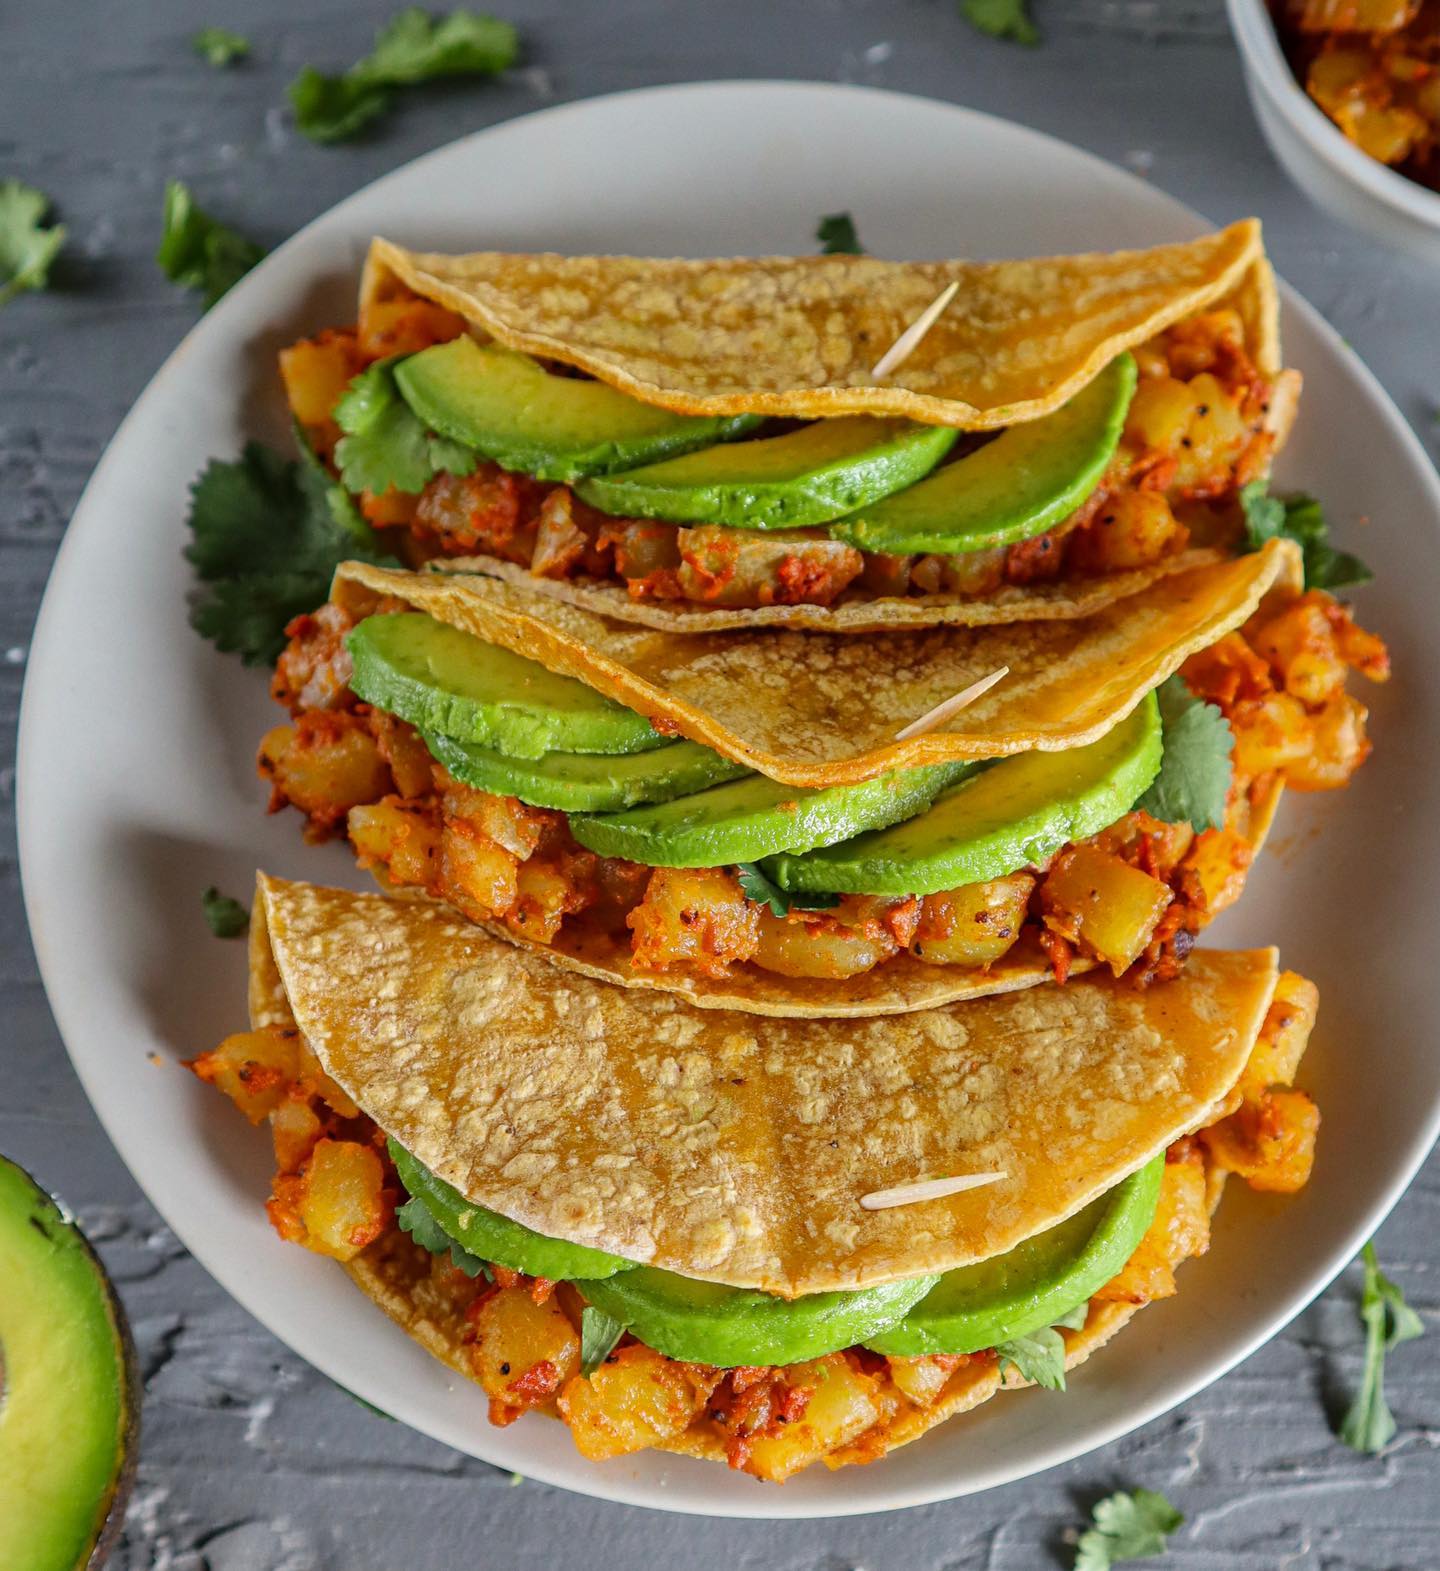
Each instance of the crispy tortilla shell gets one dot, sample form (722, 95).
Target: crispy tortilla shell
(797, 336)
(815, 709)
(735, 1148)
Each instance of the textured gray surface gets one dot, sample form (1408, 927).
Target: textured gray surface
(251, 1461)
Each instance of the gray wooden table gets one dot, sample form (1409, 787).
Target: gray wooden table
(252, 1462)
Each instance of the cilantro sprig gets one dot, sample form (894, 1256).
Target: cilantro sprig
(416, 1218)
(757, 885)
(1007, 19)
(412, 47)
(1301, 519)
(599, 1334)
(1369, 1425)
(266, 536)
(1039, 1355)
(1196, 767)
(219, 47)
(1128, 1526)
(197, 251)
(385, 442)
(224, 915)
(836, 236)
(28, 247)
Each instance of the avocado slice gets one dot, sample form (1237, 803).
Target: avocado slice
(747, 819)
(585, 782)
(441, 679)
(493, 1237)
(508, 407)
(1010, 814)
(69, 1395)
(807, 476)
(705, 1323)
(1024, 482)
(1035, 1283)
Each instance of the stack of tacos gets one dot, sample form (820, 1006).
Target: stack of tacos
(798, 770)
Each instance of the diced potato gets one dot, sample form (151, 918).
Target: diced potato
(505, 819)
(337, 1201)
(1198, 426)
(316, 372)
(523, 1352)
(1271, 733)
(923, 1379)
(1357, 16)
(1284, 1035)
(389, 509)
(295, 1129)
(974, 925)
(405, 325)
(403, 838)
(634, 1399)
(314, 668)
(844, 1402)
(730, 567)
(1269, 1140)
(1180, 1229)
(820, 948)
(695, 916)
(1338, 746)
(1110, 907)
(546, 894)
(325, 763)
(1220, 859)
(476, 874)
(318, 1083)
(1132, 529)
(402, 747)
(1300, 643)
(253, 1068)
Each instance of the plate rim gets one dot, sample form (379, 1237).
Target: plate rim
(597, 1483)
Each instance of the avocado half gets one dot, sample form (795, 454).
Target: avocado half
(69, 1389)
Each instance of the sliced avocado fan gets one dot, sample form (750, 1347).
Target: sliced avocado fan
(1024, 482)
(508, 407)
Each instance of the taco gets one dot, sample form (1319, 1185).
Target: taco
(702, 1231)
(701, 445)
(747, 819)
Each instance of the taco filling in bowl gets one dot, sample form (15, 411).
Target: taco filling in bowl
(765, 1242)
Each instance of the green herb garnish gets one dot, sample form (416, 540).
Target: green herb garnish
(1128, 1526)
(1196, 767)
(836, 235)
(1369, 1425)
(198, 252)
(226, 916)
(416, 1218)
(27, 246)
(412, 47)
(1301, 519)
(219, 46)
(599, 1334)
(757, 885)
(385, 443)
(1002, 19)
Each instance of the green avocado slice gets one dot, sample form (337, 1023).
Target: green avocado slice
(1012, 813)
(441, 679)
(808, 476)
(705, 1323)
(1035, 1283)
(492, 1237)
(508, 407)
(69, 1397)
(1024, 482)
(744, 820)
(585, 782)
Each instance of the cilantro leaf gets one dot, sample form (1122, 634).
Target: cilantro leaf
(227, 918)
(836, 234)
(1196, 767)
(1127, 1527)
(266, 536)
(416, 1218)
(1074, 1319)
(219, 46)
(198, 252)
(1002, 19)
(1038, 1356)
(1369, 1424)
(599, 1333)
(757, 885)
(412, 47)
(27, 247)
(385, 442)
(1301, 519)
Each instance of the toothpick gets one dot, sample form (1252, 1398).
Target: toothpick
(905, 345)
(930, 1189)
(952, 706)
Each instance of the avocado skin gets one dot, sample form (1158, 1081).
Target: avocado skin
(508, 407)
(1035, 1283)
(1015, 812)
(809, 476)
(705, 1323)
(492, 1237)
(61, 1290)
(744, 820)
(441, 679)
(585, 782)
(1026, 481)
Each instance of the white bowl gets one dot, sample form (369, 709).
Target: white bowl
(1319, 157)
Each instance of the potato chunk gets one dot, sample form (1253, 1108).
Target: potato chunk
(634, 1399)
(974, 925)
(523, 1352)
(401, 837)
(922, 1379)
(1269, 1140)
(695, 916)
(1101, 902)
(254, 1069)
(1180, 1229)
(336, 1204)
(325, 763)
(822, 948)
(844, 1402)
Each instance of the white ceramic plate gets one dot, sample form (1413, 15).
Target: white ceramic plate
(137, 783)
